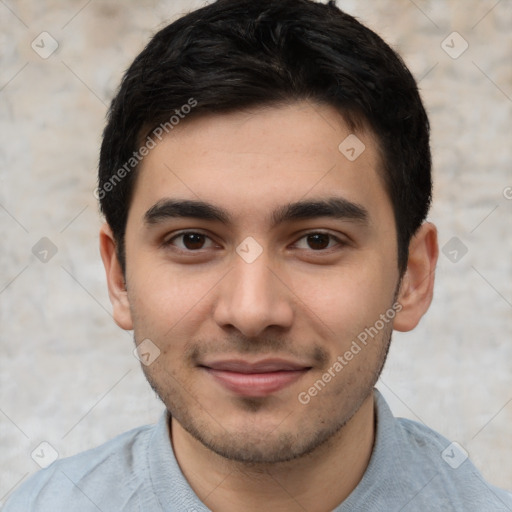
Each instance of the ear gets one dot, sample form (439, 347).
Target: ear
(115, 279)
(417, 287)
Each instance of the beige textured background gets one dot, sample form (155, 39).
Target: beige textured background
(67, 373)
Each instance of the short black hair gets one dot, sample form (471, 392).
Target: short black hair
(233, 55)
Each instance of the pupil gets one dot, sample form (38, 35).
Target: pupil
(318, 241)
(193, 241)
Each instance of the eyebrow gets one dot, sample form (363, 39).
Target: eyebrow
(334, 207)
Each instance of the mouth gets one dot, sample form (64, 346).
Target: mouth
(255, 379)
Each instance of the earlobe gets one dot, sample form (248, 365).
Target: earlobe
(417, 287)
(115, 279)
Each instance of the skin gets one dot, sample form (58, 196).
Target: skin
(302, 299)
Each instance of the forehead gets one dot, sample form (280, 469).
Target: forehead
(250, 162)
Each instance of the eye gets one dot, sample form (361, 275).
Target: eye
(318, 241)
(190, 241)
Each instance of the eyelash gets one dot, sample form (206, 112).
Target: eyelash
(332, 237)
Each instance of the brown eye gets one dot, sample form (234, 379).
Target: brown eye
(190, 241)
(193, 240)
(318, 241)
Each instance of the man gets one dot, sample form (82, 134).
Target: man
(265, 178)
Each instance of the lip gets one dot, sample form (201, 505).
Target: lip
(255, 379)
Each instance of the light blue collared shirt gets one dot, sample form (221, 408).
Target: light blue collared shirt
(412, 469)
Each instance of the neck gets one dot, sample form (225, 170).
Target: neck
(316, 482)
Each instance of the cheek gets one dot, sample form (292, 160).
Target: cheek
(345, 301)
(162, 296)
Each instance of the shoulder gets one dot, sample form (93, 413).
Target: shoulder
(91, 480)
(449, 475)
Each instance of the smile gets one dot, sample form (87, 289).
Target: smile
(257, 379)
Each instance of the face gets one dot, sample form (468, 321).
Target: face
(257, 258)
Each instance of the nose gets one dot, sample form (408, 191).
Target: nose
(253, 297)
